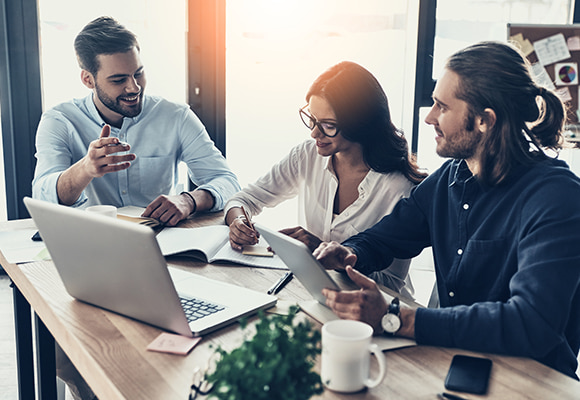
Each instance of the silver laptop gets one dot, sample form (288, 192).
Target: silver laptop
(299, 259)
(117, 265)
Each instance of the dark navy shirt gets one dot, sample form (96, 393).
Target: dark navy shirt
(507, 260)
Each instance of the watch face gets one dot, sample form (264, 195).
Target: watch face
(391, 323)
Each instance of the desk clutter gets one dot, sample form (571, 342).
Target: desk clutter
(107, 347)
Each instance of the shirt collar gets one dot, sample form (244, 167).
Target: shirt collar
(328, 165)
(461, 172)
(92, 108)
(369, 180)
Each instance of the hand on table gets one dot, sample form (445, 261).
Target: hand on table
(169, 210)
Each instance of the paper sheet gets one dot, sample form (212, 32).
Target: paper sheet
(18, 247)
(541, 76)
(323, 314)
(564, 94)
(552, 49)
(566, 73)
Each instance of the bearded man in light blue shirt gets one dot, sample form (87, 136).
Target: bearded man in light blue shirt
(121, 147)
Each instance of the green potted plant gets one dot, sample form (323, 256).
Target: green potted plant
(276, 363)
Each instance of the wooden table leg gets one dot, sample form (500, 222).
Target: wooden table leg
(45, 361)
(24, 350)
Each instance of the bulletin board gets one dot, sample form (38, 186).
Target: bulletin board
(554, 51)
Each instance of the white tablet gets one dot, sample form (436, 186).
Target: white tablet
(299, 259)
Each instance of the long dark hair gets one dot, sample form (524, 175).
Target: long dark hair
(528, 118)
(362, 115)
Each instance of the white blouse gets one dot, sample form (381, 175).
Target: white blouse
(305, 173)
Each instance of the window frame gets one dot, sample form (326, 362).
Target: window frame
(21, 89)
(20, 98)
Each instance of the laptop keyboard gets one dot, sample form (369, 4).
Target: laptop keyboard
(196, 308)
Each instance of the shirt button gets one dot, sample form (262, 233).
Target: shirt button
(451, 294)
(124, 192)
(460, 251)
(465, 206)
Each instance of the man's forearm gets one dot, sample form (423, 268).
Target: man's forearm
(203, 200)
(71, 184)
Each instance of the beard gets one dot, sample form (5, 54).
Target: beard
(463, 144)
(116, 106)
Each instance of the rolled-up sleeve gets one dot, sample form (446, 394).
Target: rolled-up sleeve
(53, 157)
(207, 167)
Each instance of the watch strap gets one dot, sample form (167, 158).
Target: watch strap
(395, 307)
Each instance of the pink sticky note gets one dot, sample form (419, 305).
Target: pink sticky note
(573, 43)
(174, 344)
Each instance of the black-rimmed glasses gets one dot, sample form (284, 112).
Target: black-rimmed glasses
(199, 385)
(326, 127)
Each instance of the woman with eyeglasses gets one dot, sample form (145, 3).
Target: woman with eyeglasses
(352, 173)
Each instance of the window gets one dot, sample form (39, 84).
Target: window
(3, 214)
(460, 23)
(160, 28)
(274, 51)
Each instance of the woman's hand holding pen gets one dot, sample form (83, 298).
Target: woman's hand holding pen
(242, 231)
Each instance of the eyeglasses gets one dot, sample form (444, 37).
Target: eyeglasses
(327, 128)
(199, 385)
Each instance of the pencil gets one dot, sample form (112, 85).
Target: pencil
(247, 218)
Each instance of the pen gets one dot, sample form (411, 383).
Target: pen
(247, 218)
(449, 396)
(119, 144)
(281, 283)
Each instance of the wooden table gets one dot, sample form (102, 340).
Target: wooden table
(109, 350)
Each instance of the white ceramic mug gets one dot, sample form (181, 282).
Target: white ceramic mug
(109, 211)
(346, 356)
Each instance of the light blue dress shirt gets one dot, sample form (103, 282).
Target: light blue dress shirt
(161, 136)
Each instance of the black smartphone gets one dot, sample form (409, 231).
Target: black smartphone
(468, 374)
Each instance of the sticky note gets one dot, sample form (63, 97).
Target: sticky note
(174, 344)
(524, 44)
(573, 43)
(260, 251)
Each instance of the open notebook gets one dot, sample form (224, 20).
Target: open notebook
(211, 244)
(208, 243)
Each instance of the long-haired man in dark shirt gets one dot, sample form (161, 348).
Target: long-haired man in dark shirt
(501, 216)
